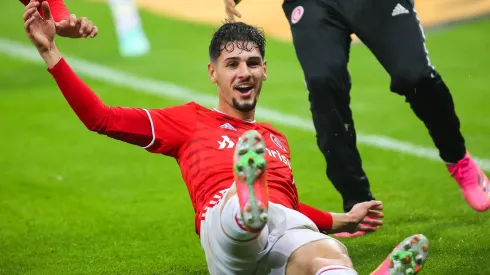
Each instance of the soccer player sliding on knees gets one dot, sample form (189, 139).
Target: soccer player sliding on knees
(238, 171)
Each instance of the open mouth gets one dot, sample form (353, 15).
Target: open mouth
(244, 89)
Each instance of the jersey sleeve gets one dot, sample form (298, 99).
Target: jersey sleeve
(159, 130)
(323, 220)
(171, 128)
(58, 9)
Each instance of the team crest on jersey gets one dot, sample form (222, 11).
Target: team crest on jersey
(278, 142)
(297, 14)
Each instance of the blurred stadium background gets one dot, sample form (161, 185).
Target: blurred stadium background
(72, 202)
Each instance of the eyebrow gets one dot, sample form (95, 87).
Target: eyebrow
(236, 57)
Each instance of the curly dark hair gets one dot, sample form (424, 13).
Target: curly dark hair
(241, 35)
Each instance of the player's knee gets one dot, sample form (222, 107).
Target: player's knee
(333, 76)
(320, 262)
(314, 265)
(406, 80)
(317, 255)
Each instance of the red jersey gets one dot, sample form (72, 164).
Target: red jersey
(203, 142)
(200, 139)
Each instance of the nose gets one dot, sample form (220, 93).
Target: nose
(244, 71)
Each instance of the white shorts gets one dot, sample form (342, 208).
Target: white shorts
(288, 230)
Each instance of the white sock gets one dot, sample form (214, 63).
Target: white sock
(336, 270)
(125, 15)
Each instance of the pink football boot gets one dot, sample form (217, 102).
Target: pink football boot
(407, 258)
(473, 182)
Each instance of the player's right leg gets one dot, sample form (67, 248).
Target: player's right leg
(392, 31)
(322, 44)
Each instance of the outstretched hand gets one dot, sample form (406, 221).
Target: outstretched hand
(74, 27)
(365, 216)
(40, 31)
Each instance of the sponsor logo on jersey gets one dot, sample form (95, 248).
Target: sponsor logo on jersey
(225, 143)
(278, 142)
(297, 14)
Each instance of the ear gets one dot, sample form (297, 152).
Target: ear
(264, 77)
(212, 73)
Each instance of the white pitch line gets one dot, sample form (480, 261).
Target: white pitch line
(118, 78)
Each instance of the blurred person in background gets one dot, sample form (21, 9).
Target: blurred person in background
(131, 37)
(391, 29)
(132, 40)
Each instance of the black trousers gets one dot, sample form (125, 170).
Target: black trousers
(321, 32)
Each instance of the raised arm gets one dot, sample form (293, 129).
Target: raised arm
(131, 125)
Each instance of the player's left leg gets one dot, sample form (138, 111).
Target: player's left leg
(247, 200)
(235, 233)
(131, 37)
(392, 31)
(229, 247)
(250, 179)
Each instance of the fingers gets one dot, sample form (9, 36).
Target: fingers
(231, 18)
(83, 21)
(29, 13)
(46, 10)
(74, 27)
(72, 20)
(28, 22)
(86, 26)
(374, 204)
(32, 4)
(94, 32)
(89, 29)
(375, 214)
(367, 228)
(372, 221)
(231, 11)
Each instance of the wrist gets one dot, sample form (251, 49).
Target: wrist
(341, 222)
(51, 56)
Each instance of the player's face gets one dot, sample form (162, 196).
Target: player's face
(239, 75)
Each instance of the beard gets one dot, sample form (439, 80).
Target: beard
(244, 107)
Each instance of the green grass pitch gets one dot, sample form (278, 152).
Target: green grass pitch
(73, 202)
